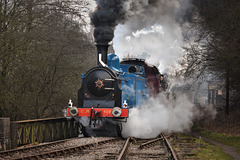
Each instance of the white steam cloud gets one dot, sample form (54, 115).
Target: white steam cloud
(152, 30)
(160, 115)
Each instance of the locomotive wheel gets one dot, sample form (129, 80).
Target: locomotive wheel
(84, 132)
(89, 132)
(119, 129)
(109, 130)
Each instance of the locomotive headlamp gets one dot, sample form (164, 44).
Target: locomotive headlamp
(125, 105)
(73, 111)
(70, 104)
(116, 111)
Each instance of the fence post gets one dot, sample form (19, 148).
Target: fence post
(14, 135)
(5, 141)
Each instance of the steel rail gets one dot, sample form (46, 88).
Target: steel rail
(143, 145)
(8, 152)
(124, 149)
(52, 154)
(171, 150)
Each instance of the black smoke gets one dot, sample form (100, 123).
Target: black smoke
(105, 18)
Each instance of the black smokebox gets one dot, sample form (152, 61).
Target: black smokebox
(102, 49)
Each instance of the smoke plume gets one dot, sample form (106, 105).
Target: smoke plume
(149, 29)
(160, 115)
(110, 13)
(105, 18)
(153, 30)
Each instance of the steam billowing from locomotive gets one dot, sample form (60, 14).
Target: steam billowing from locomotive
(160, 115)
(151, 29)
(110, 13)
(153, 32)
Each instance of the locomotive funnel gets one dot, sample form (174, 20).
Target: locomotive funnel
(102, 49)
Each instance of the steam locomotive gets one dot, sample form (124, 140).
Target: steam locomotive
(110, 90)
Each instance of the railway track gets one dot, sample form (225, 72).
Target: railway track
(158, 148)
(107, 148)
(54, 149)
(187, 147)
(31, 148)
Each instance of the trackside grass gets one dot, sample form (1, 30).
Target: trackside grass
(207, 151)
(233, 141)
(212, 152)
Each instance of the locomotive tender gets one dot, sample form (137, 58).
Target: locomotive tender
(110, 90)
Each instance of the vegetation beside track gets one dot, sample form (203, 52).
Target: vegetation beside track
(207, 151)
(223, 129)
(233, 141)
(212, 152)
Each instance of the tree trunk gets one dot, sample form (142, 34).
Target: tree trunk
(227, 93)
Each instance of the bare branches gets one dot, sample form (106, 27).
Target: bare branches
(43, 52)
(214, 45)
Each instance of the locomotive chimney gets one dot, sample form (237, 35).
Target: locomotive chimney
(102, 49)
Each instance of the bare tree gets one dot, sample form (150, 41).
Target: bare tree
(44, 50)
(215, 46)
